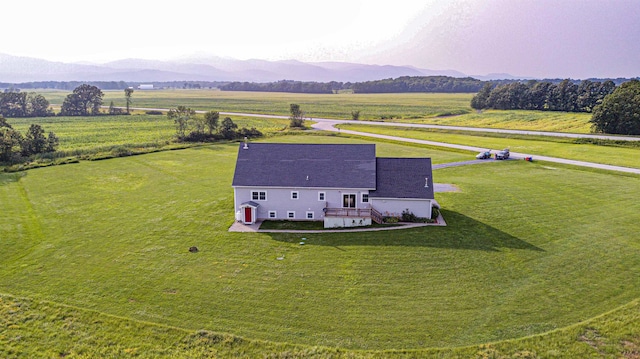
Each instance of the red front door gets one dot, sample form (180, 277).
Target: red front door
(247, 214)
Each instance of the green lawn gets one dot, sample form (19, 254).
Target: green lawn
(41, 329)
(536, 145)
(527, 249)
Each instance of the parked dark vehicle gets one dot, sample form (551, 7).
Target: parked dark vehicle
(502, 155)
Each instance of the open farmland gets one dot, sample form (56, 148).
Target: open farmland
(432, 108)
(95, 132)
(528, 248)
(372, 106)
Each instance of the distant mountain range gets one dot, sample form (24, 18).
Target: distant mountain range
(14, 69)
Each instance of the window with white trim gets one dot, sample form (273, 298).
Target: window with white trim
(294, 195)
(258, 195)
(273, 214)
(365, 198)
(349, 200)
(291, 214)
(322, 196)
(309, 215)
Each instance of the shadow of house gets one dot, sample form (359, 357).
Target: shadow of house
(461, 232)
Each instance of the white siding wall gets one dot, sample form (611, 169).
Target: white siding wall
(394, 207)
(279, 200)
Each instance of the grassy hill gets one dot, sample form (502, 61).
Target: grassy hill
(100, 251)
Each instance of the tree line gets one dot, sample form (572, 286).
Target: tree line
(110, 85)
(65, 85)
(445, 84)
(22, 104)
(543, 95)
(286, 86)
(85, 100)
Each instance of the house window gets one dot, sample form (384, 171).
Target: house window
(291, 214)
(321, 196)
(365, 198)
(349, 200)
(273, 214)
(309, 215)
(294, 194)
(259, 195)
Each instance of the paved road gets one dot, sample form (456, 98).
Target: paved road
(325, 124)
(514, 155)
(490, 130)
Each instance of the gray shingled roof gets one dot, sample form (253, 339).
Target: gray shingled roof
(403, 178)
(306, 165)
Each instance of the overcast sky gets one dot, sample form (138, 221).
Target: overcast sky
(529, 38)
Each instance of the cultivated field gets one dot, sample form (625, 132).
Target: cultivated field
(408, 107)
(529, 248)
(100, 132)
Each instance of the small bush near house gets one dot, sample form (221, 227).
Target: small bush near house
(408, 216)
(391, 219)
(435, 212)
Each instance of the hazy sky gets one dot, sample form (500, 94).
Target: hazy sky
(535, 38)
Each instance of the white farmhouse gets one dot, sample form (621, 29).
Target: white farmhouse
(344, 185)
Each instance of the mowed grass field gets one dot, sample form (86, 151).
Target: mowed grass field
(528, 249)
(433, 108)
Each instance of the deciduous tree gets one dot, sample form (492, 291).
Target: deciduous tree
(211, 120)
(10, 140)
(181, 116)
(128, 92)
(355, 115)
(52, 142)
(228, 128)
(38, 106)
(85, 100)
(297, 116)
(479, 100)
(619, 112)
(35, 141)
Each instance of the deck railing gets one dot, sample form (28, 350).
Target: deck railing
(354, 212)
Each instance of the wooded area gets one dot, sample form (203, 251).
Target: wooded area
(546, 96)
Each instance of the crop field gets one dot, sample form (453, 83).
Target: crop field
(539, 145)
(86, 133)
(521, 120)
(443, 109)
(100, 250)
(372, 106)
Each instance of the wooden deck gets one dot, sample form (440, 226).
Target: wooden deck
(354, 212)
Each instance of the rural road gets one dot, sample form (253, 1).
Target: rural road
(325, 124)
(329, 122)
